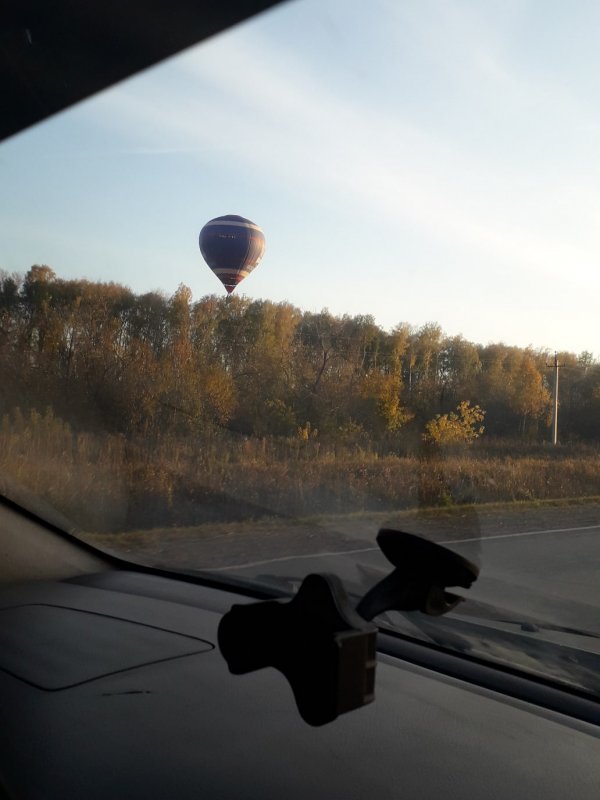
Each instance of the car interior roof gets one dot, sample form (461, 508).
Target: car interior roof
(54, 54)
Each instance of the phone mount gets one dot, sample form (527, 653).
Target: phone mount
(423, 570)
(317, 640)
(325, 647)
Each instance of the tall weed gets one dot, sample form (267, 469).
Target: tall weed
(111, 483)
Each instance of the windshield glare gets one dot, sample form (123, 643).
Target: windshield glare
(331, 271)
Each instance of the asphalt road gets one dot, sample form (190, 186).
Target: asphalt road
(541, 562)
(549, 569)
(549, 573)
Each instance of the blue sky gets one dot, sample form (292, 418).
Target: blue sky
(418, 161)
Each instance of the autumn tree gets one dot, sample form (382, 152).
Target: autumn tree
(422, 369)
(529, 397)
(379, 397)
(460, 427)
(150, 365)
(460, 365)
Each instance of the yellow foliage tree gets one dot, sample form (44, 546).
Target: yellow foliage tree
(460, 427)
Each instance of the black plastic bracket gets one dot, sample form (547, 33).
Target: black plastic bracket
(423, 571)
(326, 648)
(317, 640)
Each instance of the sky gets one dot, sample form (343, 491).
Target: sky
(419, 161)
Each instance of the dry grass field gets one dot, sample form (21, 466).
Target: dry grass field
(110, 484)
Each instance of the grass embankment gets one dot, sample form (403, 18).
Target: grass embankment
(110, 484)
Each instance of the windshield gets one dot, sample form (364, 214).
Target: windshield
(333, 270)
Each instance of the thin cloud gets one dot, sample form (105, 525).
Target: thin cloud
(257, 106)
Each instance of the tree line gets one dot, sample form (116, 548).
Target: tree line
(149, 365)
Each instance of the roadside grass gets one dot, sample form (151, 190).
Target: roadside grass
(459, 522)
(108, 484)
(227, 545)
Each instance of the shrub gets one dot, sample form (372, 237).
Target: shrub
(455, 428)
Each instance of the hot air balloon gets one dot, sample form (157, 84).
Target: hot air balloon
(231, 246)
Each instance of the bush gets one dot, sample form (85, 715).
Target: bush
(455, 428)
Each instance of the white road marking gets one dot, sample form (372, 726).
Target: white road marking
(375, 549)
(293, 558)
(521, 533)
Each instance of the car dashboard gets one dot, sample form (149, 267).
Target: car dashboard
(112, 686)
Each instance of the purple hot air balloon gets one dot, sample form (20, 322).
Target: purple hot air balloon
(231, 246)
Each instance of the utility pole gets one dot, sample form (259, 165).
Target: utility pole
(556, 366)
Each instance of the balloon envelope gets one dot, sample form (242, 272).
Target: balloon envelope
(231, 246)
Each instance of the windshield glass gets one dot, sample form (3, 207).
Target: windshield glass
(395, 325)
